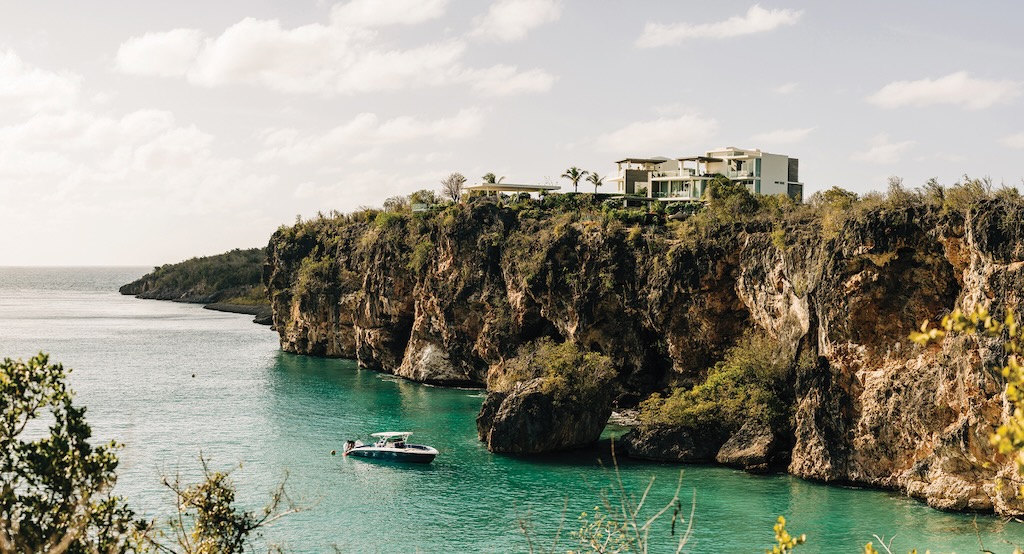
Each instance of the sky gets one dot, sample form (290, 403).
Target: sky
(144, 133)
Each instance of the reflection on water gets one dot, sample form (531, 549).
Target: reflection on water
(277, 414)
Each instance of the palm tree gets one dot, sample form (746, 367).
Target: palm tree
(492, 179)
(574, 174)
(597, 181)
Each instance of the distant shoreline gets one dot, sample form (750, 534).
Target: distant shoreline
(263, 315)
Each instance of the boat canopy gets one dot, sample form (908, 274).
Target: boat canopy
(391, 434)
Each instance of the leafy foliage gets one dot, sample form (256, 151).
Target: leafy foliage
(570, 374)
(56, 489)
(234, 273)
(750, 383)
(207, 520)
(575, 175)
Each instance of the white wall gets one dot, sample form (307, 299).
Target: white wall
(774, 172)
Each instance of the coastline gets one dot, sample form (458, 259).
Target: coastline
(262, 314)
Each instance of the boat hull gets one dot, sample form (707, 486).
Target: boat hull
(406, 455)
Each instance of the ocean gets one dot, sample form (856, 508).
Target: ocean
(171, 382)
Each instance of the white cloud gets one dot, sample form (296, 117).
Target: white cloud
(786, 88)
(166, 54)
(319, 59)
(782, 136)
(376, 13)
(511, 20)
(882, 151)
(504, 80)
(756, 20)
(659, 136)
(24, 86)
(1013, 141)
(956, 88)
(291, 146)
(143, 158)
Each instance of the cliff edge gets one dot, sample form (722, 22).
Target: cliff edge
(449, 295)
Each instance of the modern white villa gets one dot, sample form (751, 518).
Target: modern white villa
(683, 179)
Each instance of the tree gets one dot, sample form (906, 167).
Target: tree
(396, 204)
(206, 520)
(575, 174)
(596, 180)
(492, 179)
(424, 196)
(56, 489)
(451, 186)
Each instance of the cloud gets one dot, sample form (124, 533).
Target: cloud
(166, 54)
(782, 136)
(756, 20)
(321, 59)
(956, 88)
(291, 146)
(24, 86)
(504, 80)
(787, 88)
(658, 136)
(882, 151)
(143, 158)
(1013, 141)
(511, 20)
(377, 13)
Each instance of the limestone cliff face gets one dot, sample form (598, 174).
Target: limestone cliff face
(445, 297)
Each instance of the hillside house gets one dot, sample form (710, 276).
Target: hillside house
(686, 179)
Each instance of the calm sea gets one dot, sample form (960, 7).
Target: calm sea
(170, 381)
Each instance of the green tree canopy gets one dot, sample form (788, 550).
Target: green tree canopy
(56, 489)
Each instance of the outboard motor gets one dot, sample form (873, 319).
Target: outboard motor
(349, 445)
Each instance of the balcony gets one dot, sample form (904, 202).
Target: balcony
(664, 175)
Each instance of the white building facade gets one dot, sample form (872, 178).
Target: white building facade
(686, 179)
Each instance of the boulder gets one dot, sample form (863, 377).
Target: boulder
(670, 444)
(754, 447)
(527, 420)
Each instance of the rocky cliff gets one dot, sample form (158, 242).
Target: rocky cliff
(444, 297)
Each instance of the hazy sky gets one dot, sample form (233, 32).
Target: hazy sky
(142, 133)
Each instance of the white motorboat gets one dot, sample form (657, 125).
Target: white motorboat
(393, 446)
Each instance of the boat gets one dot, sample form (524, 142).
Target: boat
(392, 446)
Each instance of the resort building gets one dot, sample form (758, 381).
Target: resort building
(684, 179)
(508, 188)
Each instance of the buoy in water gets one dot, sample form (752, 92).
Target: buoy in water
(333, 452)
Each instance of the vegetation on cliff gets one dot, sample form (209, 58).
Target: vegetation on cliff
(450, 294)
(568, 374)
(233, 277)
(752, 383)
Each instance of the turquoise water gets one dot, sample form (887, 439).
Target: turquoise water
(275, 414)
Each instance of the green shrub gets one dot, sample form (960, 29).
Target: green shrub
(421, 254)
(570, 374)
(388, 220)
(750, 383)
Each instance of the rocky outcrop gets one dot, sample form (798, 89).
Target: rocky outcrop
(670, 444)
(527, 420)
(445, 298)
(755, 447)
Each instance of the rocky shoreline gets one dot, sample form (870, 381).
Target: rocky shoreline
(446, 298)
(263, 314)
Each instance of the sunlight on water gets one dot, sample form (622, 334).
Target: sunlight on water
(269, 414)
